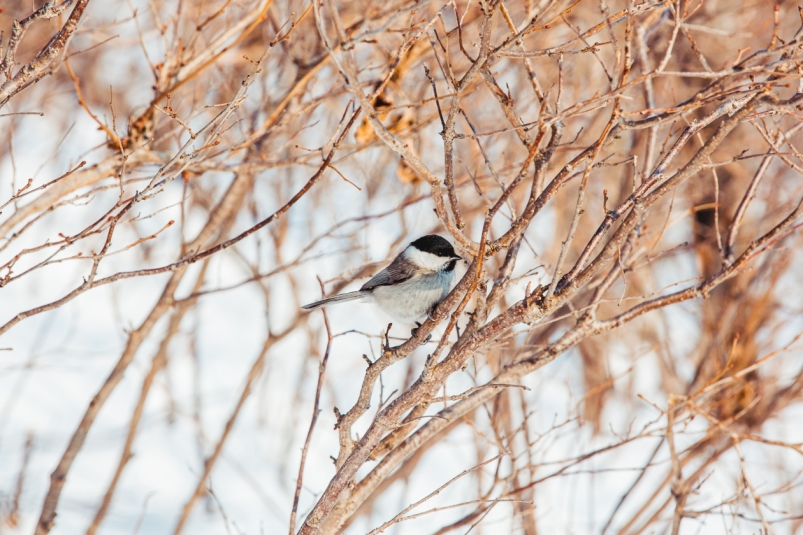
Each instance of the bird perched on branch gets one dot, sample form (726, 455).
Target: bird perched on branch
(410, 287)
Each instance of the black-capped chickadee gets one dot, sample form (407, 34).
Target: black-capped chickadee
(408, 289)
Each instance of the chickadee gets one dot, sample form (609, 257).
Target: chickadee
(409, 288)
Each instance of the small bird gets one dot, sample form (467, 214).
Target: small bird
(410, 287)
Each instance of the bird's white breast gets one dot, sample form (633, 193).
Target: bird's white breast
(412, 299)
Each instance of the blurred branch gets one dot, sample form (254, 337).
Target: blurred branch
(573, 174)
(209, 463)
(40, 66)
(225, 209)
(316, 410)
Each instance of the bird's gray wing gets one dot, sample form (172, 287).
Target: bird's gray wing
(398, 271)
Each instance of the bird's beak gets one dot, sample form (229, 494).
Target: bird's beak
(455, 257)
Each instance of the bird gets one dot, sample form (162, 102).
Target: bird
(409, 287)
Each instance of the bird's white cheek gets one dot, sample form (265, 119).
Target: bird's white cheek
(423, 260)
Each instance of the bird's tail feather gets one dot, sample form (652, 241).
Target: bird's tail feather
(349, 296)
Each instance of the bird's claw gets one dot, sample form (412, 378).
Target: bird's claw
(414, 332)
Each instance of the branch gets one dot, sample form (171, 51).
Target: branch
(40, 66)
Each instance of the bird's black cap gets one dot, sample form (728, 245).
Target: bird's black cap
(436, 245)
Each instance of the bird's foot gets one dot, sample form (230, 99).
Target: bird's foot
(415, 331)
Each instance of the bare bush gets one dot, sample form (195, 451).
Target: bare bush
(621, 354)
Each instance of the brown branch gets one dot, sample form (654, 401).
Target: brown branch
(640, 199)
(40, 66)
(190, 259)
(209, 462)
(59, 476)
(13, 515)
(353, 457)
(158, 362)
(680, 491)
(579, 207)
(401, 518)
(224, 209)
(349, 72)
(584, 328)
(316, 410)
